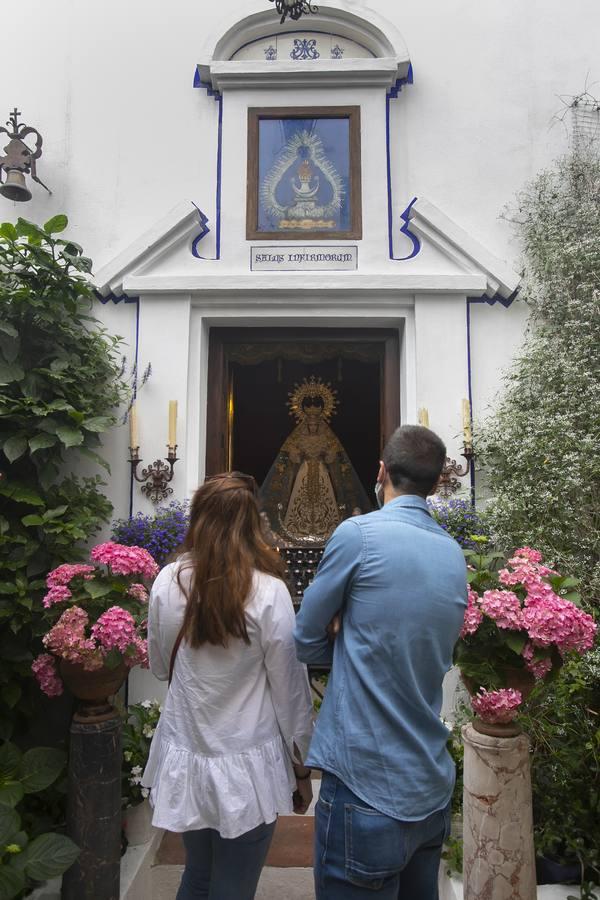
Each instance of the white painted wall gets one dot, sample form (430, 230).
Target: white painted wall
(126, 138)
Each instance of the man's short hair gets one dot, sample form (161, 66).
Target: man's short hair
(414, 458)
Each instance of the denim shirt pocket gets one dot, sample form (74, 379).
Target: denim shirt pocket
(376, 846)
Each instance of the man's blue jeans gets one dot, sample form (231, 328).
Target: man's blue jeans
(359, 852)
(219, 868)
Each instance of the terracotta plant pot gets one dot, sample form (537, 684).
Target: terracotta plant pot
(93, 687)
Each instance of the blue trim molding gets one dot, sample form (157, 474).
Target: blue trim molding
(506, 302)
(126, 299)
(392, 94)
(218, 97)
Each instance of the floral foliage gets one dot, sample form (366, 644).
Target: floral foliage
(540, 447)
(161, 534)
(97, 613)
(459, 519)
(497, 706)
(520, 618)
(138, 730)
(60, 390)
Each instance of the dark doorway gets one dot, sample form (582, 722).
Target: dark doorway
(252, 372)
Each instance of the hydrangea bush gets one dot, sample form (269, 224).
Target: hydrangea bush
(521, 623)
(161, 534)
(97, 613)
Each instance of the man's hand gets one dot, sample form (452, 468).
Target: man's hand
(333, 629)
(302, 796)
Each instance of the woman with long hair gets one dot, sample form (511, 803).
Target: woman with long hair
(226, 758)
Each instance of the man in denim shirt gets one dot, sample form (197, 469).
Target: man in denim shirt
(395, 584)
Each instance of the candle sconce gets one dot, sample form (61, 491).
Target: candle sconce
(449, 479)
(155, 478)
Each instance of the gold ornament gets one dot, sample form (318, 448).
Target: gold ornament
(312, 388)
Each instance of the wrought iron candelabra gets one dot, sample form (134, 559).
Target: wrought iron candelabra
(449, 480)
(155, 478)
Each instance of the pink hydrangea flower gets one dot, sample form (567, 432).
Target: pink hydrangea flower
(473, 614)
(46, 674)
(533, 556)
(65, 573)
(553, 620)
(124, 560)
(138, 592)
(538, 668)
(115, 629)
(68, 641)
(497, 707)
(504, 607)
(56, 594)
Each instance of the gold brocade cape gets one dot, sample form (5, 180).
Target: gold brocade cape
(312, 486)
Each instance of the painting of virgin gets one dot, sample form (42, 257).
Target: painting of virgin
(304, 173)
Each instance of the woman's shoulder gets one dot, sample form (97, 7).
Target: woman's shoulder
(168, 576)
(268, 590)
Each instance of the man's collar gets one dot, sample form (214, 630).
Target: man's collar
(409, 500)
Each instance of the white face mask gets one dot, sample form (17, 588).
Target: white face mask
(379, 494)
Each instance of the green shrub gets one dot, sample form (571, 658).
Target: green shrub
(59, 388)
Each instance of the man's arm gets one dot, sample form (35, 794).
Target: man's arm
(326, 595)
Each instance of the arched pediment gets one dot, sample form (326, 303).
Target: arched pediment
(344, 41)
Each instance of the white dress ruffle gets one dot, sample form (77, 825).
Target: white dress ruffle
(231, 794)
(222, 753)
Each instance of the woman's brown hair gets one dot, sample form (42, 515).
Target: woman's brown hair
(223, 546)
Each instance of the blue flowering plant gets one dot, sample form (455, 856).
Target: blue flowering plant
(161, 534)
(465, 524)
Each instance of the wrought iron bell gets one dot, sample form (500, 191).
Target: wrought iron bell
(15, 186)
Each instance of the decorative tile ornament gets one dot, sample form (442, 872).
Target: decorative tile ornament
(304, 178)
(270, 53)
(304, 49)
(337, 52)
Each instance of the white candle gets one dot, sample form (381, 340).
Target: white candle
(134, 440)
(172, 423)
(468, 435)
(424, 418)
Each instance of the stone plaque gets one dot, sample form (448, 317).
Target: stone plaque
(312, 258)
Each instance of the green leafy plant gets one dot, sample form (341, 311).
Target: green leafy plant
(25, 858)
(563, 724)
(139, 725)
(59, 388)
(540, 447)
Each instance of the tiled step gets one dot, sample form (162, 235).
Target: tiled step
(292, 845)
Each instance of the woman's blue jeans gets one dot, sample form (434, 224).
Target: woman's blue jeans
(219, 868)
(361, 853)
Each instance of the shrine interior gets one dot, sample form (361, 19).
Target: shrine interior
(260, 419)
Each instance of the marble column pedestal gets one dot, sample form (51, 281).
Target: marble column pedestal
(499, 856)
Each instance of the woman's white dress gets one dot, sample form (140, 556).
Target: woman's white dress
(222, 753)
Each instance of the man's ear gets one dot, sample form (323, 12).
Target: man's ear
(382, 474)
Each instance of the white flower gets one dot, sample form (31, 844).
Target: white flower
(145, 792)
(127, 756)
(136, 770)
(147, 704)
(148, 731)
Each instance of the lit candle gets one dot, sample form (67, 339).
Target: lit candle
(468, 435)
(134, 440)
(172, 423)
(424, 418)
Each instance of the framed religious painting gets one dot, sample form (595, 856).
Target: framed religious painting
(304, 173)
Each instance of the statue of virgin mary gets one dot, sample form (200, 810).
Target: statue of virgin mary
(312, 484)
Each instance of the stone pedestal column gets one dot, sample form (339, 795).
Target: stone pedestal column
(499, 857)
(94, 807)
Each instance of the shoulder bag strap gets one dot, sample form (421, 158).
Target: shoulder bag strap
(176, 646)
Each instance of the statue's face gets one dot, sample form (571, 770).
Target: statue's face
(313, 413)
